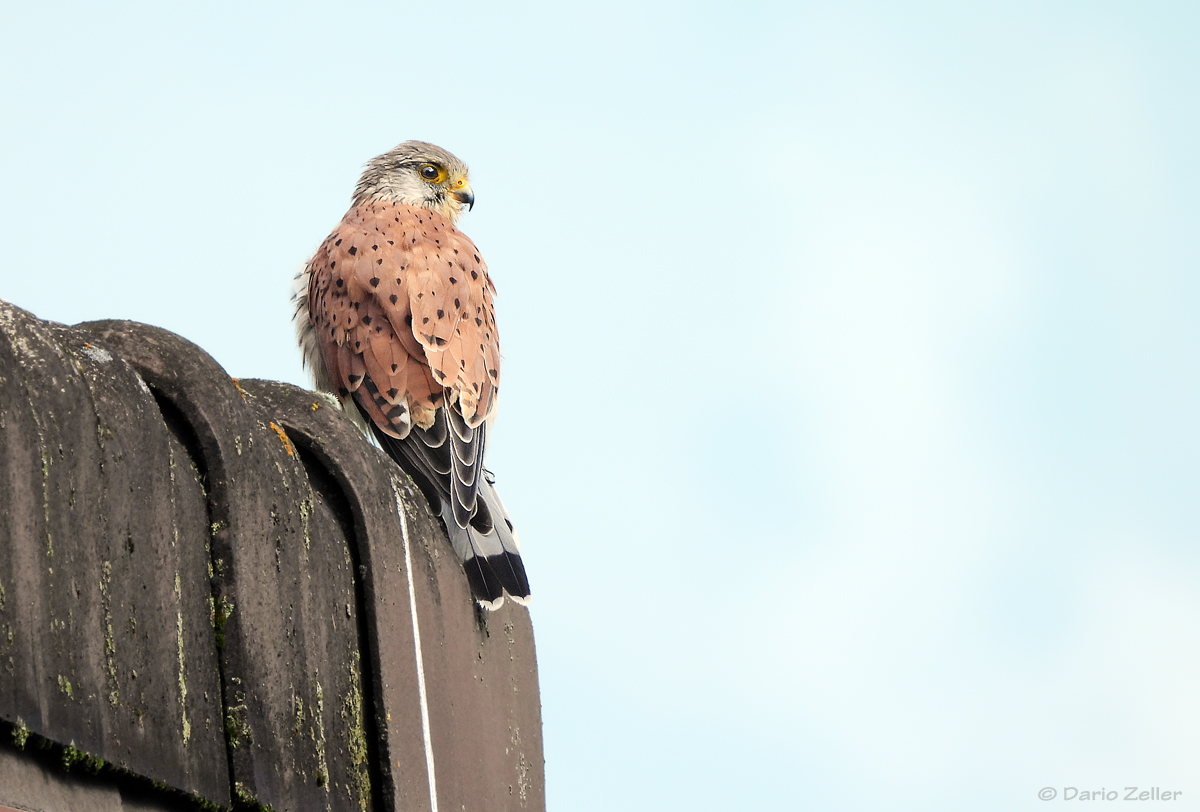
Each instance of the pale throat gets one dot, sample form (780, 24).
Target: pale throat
(449, 207)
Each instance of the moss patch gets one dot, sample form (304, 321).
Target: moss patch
(352, 717)
(72, 757)
(221, 612)
(318, 737)
(110, 643)
(20, 734)
(237, 729)
(186, 726)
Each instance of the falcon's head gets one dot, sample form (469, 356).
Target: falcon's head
(417, 174)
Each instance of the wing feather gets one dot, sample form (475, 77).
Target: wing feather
(404, 320)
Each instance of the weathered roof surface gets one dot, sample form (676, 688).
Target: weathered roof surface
(209, 584)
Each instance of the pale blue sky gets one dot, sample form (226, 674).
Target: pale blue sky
(850, 404)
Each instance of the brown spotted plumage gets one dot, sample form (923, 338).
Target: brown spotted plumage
(397, 319)
(399, 294)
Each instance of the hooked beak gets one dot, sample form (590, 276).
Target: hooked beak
(463, 194)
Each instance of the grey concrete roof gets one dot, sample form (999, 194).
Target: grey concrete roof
(207, 587)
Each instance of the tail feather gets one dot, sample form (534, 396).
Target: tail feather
(479, 527)
(492, 559)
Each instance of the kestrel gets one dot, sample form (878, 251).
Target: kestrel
(395, 317)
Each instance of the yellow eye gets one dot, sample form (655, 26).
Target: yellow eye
(432, 173)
